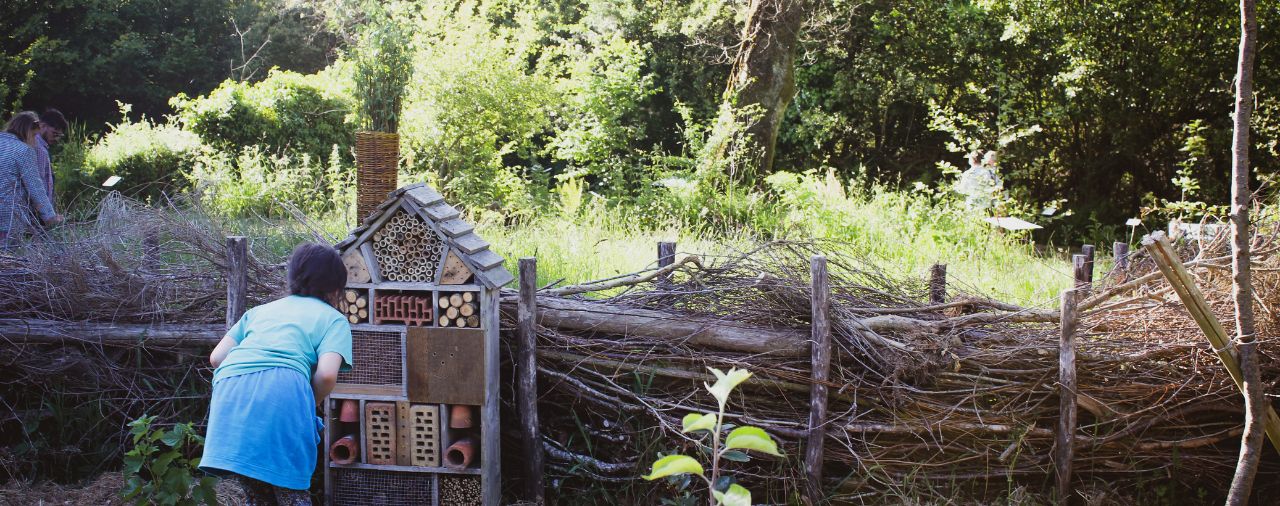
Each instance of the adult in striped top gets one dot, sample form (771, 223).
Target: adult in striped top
(23, 195)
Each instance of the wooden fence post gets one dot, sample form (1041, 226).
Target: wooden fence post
(666, 257)
(1120, 252)
(1079, 268)
(1089, 252)
(821, 368)
(938, 284)
(237, 278)
(527, 383)
(1063, 444)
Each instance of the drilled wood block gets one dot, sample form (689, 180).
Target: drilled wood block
(357, 268)
(455, 272)
(446, 365)
(380, 433)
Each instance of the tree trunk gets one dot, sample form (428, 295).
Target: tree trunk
(761, 85)
(1247, 348)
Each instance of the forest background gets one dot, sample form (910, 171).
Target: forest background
(616, 121)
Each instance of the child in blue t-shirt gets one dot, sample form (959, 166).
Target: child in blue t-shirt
(272, 369)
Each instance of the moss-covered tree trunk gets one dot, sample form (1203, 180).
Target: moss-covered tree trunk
(761, 85)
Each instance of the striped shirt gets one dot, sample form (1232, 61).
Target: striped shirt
(45, 164)
(21, 187)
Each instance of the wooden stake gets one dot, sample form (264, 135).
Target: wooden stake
(1089, 252)
(666, 257)
(938, 284)
(821, 368)
(1120, 252)
(528, 378)
(1183, 284)
(1063, 449)
(1080, 266)
(237, 278)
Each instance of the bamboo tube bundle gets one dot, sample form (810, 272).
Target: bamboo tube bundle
(407, 249)
(458, 310)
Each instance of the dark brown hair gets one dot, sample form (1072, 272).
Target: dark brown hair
(24, 126)
(54, 118)
(316, 270)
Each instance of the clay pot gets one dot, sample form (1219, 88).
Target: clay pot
(460, 416)
(460, 453)
(345, 450)
(350, 411)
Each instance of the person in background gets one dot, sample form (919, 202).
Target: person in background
(23, 195)
(271, 370)
(53, 126)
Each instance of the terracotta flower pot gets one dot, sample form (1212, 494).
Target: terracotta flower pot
(460, 416)
(350, 411)
(345, 450)
(460, 453)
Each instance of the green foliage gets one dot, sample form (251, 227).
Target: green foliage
(82, 55)
(382, 66)
(161, 467)
(743, 437)
(257, 182)
(285, 113)
(149, 158)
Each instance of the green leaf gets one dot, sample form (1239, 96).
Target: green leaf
(726, 382)
(162, 462)
(751, 438)
(694, 421)
(172, 438)
(132, 464)
(735, 456)
(737, 495)
(672, 465)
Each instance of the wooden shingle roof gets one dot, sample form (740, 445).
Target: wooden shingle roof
(459, 235)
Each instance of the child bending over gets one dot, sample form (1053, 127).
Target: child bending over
(272, 369)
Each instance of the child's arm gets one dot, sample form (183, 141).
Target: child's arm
(220, 352)
(326, 375)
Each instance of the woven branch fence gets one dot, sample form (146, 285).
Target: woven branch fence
(926, 400)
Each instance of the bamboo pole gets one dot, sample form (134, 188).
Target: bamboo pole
(1171, 266)
(1064, 449)
(821, 369)
(527, 382)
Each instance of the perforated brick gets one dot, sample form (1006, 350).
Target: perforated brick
(424, 427)
(380, 433)
(411, 309)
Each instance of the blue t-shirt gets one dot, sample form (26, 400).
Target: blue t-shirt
(291, 332)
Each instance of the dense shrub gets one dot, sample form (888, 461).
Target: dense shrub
(285, 113)
(253, 181)
(149, 158)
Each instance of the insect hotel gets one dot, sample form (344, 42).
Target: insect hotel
(416, 419)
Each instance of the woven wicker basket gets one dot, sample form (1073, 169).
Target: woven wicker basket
(377, 165)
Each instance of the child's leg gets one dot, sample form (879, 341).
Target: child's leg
(291, 497)
(257, 493)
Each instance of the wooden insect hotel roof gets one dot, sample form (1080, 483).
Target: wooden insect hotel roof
(455, 240)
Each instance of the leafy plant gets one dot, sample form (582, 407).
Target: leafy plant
(383, 66)
(741, 438)
(158, 470)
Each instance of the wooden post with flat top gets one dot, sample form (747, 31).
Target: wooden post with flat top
(821, 369)
(527, 383)
(666, 257)
(938, 284)
(1063, 449)
(237, 278)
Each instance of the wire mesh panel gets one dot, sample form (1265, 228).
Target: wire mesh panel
(424, 429)
(364, 487)
(378, 358)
